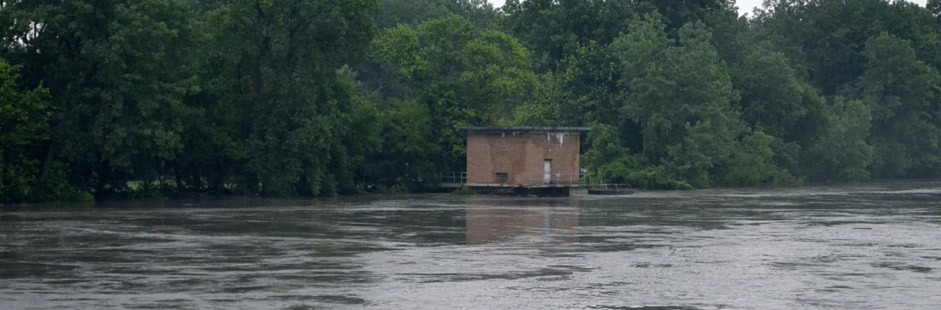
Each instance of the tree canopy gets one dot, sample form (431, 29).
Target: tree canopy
(319, 98)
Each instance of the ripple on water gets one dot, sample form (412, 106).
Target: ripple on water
(856, 246)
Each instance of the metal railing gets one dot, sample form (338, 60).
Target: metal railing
(549, 179)
(568, 179)
(594, 183)
(454, 177)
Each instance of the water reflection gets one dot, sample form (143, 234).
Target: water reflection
(873, 246)
(546, 220)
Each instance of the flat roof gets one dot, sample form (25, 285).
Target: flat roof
(524, 129)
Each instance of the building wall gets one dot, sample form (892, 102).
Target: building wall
(521, 155)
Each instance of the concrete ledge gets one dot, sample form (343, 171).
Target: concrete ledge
(524, 191)
(508, 185)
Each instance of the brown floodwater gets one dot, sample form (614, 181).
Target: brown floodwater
(866, 246)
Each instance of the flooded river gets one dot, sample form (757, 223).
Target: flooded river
(872, 246)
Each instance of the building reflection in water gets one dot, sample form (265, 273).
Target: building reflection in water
(506, 220)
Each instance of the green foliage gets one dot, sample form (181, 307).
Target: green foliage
(24, 140)
(290, 97)
(116, 105)
(544, 107)
(288, 103)
(414, 12)
(24, 130)
(753, 164)
(606, 159)
(828, 38)
(656, 177)
(409, 153)
(554, 29)
(464, 191)
(775, 100)
(904, 96)
(486, 71)
(934, 7)
(681, 94)
(590, 81)
(842, 152)
(55, 188)
(646, 99)
(608, 162)
(460, 75)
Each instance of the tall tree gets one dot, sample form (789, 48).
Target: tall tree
(24, 130)
(116, 71)
(826, 39)
(904, 95)
(460, 74)
(555, 29)
(776, 100)
(680, 91)
(288, 109)
(414, 12)
(842, 152)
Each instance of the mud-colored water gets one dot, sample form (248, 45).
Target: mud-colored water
(873, 246)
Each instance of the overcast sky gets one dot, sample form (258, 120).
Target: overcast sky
(744, 6)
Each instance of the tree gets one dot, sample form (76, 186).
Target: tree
(826, 39)
(607, 160)
(681, 93)
(776, 101)
(414, 12)
(24, 130)
(904, 95)
(410, 156)
(461, 75)
(289, 106)
(677, 13)
(842, 152)
(544, 108)
(555, 29)
(116, 72)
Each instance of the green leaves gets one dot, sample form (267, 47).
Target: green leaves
(458, 75)
(24, 130)
(680, 92)
(842, 152)
(290, 97)
(775, 100)
(904, 95)
(289, 104)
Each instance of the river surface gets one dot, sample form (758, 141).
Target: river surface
(870, 246)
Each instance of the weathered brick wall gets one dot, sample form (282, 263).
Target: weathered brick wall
(521, 155)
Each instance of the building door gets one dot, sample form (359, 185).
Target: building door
(547, 171)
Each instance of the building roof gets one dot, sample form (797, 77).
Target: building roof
(524, 129)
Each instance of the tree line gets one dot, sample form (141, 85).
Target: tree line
(330, 97)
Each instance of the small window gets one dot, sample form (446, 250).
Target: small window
(501, 177)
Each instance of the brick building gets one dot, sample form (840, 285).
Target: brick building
(537, 160)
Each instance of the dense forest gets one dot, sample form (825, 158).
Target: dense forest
(327, 97)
